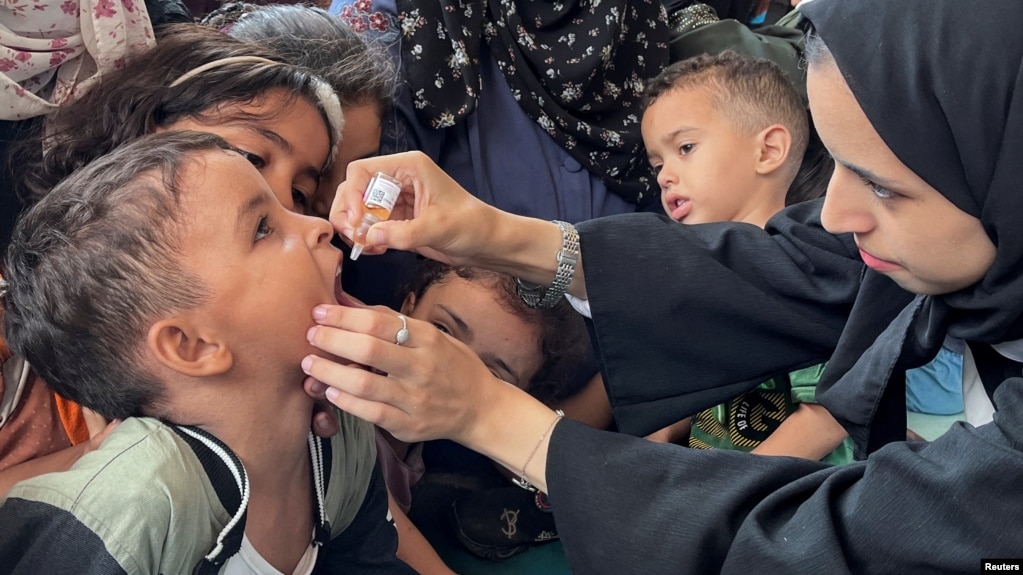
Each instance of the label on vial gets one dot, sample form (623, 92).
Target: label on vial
(382, 192)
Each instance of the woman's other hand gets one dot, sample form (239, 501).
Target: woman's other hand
(434, 387)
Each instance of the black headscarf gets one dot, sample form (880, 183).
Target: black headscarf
(942, 83)
(577, 68)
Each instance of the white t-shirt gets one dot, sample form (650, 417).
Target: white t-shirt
(977, 406)
(248, 561)
(976, 402)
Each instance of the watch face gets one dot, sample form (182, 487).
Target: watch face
(529, 292)
(527, 286)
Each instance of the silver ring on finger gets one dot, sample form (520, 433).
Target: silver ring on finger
(402, 335)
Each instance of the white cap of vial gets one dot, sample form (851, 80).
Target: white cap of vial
(356, 252)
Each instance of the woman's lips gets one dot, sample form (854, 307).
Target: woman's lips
(878, 264)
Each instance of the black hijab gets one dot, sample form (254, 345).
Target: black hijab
(942, 83)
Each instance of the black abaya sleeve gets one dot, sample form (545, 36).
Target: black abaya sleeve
(686, 317)
(624, 505)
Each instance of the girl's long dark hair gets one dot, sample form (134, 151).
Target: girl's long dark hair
(133, 101)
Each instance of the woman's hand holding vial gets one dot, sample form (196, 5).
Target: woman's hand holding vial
(435, 217)
(432, 214)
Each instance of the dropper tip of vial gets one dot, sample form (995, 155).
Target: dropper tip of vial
(356, 252)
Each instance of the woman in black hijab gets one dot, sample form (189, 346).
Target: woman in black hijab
(923, 111)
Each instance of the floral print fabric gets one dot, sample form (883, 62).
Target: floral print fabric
(51, 49)
(577, 68)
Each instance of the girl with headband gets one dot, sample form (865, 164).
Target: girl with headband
(197, 78)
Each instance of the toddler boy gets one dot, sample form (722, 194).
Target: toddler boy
(165, 285)
(726, 135)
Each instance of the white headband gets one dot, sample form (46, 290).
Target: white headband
(218, 63)
(328, 101)
(335, 118)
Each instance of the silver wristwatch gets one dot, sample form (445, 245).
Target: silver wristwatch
(535, 296)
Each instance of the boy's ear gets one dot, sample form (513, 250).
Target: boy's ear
(409, 305)
(180, 345)
(775, 143)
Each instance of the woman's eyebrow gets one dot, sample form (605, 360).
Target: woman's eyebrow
(867, 174)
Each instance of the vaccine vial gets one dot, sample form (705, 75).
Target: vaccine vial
(378, 201)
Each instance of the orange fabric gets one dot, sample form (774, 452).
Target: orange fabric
(35, 428)
(73, 419)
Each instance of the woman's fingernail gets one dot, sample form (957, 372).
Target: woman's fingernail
(311, 334)
(319, 312)
(332, 393)
(307, 363)
(375, 236)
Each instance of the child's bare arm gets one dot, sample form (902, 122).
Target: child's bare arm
(677, 433)
(590, 405)
(811, 433)
(413, 548)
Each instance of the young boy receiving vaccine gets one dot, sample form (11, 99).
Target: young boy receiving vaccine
(282, 117)
(726, 135)
(166, 285)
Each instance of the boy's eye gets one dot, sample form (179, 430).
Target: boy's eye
(254, 159)
(263, 229)
(656, 168)
(441, 327)
(686, 149)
